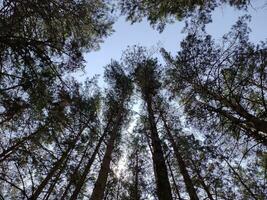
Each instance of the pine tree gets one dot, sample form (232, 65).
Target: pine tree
(158, 12)
(117, 98)
(222, 84)
(145, 74)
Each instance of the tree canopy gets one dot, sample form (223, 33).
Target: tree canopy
(188, 126)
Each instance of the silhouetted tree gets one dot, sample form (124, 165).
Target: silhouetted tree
(145, 74)
(117, 99)
(158, 12)
(222, 87)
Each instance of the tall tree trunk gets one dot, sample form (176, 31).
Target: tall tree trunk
(63, 197)
(87, 168)
(100, 184)
(53, 184)
(55, 168)
(181, 163)
(50, 175)
(160, 169)
(136, 181)
(174, 181)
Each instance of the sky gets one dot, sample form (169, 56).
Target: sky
(143, 34)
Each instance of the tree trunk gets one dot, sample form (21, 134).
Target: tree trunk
(182, 165)
(99, 188)
(50, 175)
(160, 169)
(63, 197)
(87, 168)
(202, 182)
(55, 168)
(52, 186)
(174, 182)
(100, 184)
(136, 179)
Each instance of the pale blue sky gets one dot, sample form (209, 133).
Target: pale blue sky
(141, 33)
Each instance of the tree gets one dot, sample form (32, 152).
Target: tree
(158, 12)
(61, 139)
(41, 41)
(180, 161)
(138, 167)
(44, 159)
(225, 85)
(145, 74)
(117, 99)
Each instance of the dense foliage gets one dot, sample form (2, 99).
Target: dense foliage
(200, 131)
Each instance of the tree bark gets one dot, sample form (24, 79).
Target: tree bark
(63, 197)
(160, 169)
(174, 182)
(87, 168)
(52, 186)
(99, 188)
(50, 175)
(181, 163)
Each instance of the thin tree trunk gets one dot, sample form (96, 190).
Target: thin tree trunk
(63, 197)
(52, 186)
(181, 163)
(50, 175)
(174, 182)
(55, 168)
(202, 182)
(241, 180)
(87, 168)
(136, 181)
(66, 190)
(160, 169)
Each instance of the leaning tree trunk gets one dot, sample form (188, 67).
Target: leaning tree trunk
(160, 169)
(87, 168)
(201, 180)
(181, 163)
(53, 184)
(99, 188)
(55, 168)
(63, 197)
(50, 175)
(174, 181)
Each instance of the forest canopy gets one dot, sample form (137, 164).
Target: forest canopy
(190, 125)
